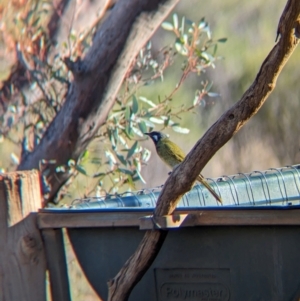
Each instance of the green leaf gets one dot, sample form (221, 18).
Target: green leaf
(111, 139)
(222, 40)
(127, 113)
(202, 23)
(142, 126)
(128, 131)
(156, 120)
(130, 182)
(125, 171)
(147, 101)
(146, 155)
(96, 160)
(215, 50)
(137, 131)
(208, 87)
(135, 105)
(205, 56)
(213, 94)
(85, 155)
(140, 176)
(147, 122)
(122, 159)
(166, 121)
(182, 25)
(81, 169)
(167, 26)
(175, 21)
(109, 155)
(115, 133)
(137, 164)
(132, 150)
(180, 47)
(181, 130)
(99, 174)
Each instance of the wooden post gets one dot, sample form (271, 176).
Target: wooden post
(22, 258)
(57, 265)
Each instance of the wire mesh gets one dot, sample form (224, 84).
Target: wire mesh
(275, 186)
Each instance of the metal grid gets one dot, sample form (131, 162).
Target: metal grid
(275, 186)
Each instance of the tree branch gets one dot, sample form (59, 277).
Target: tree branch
(183, 177)
(97, 79)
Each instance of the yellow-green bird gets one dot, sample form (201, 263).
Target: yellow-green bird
(173, 155)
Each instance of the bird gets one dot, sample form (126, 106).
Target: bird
(172, 155)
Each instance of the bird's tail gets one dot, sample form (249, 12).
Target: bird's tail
(202, 180)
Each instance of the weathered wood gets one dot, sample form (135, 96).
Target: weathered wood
(182, 218)
(90, 219)
(57, 265)
(183, 177)
(223, 218)
(22, 257)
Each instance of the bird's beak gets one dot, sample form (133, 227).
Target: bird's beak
(148, 134)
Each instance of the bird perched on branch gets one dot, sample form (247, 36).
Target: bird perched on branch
(172, 155)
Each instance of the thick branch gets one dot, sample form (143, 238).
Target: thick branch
(183, 177)
(97, 80)
(18, 77)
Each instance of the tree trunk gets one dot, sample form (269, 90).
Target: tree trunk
(97, 80)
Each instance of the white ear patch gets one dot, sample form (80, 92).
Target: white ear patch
(155, 137)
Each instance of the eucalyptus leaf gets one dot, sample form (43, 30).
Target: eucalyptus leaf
(125, 171)
(109, 155)
(123, 141)
(175, 21)
(95, 160)
(182, 25)
(140, 176)
(127, 113)
(213, 94)
(85, 155)
(128, 131)
(146, 155)
(181, 48)
(142, 126)
(222, 40)
(132, 150)
(167, 26)
(181, 130)
(99, 174)
(147, 101)
(81, 169)
(156, 120)
(208, 87)
(121, 159)
(137, 131)
(135, 105)
(148, 123)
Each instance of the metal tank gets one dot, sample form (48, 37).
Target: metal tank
(247, 249)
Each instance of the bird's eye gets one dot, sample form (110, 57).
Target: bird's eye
(155, 138)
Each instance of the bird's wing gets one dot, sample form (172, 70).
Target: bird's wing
(203, 181)
(171, 157)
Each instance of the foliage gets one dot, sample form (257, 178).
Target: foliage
(119, 163)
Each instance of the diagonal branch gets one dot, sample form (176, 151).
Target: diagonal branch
(97, 79)
(183, 177)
